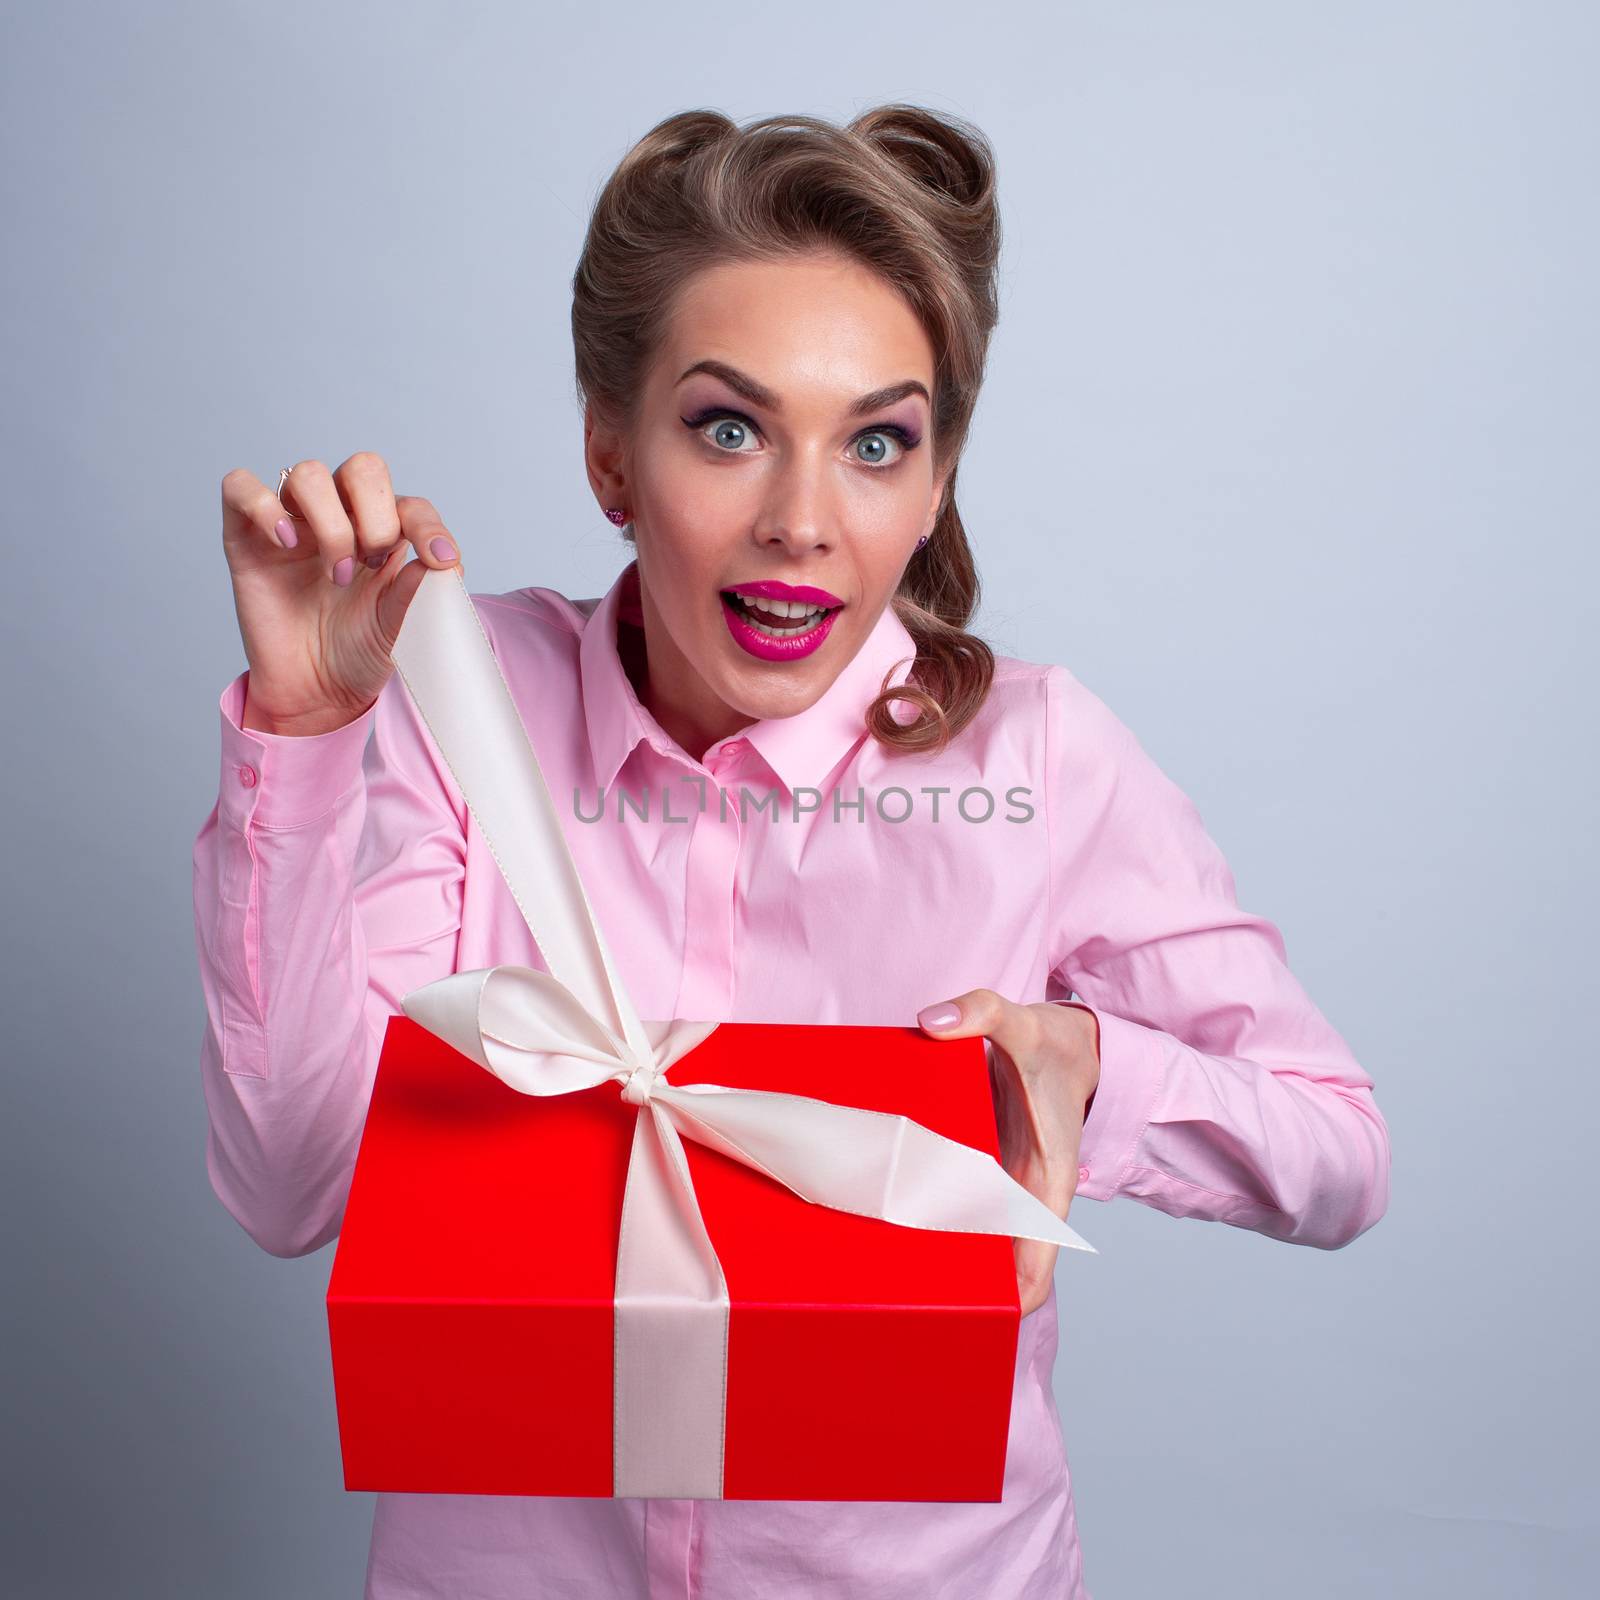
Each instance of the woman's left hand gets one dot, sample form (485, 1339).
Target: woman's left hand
(1046, 1066)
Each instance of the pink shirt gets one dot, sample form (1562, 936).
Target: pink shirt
(1043, 854)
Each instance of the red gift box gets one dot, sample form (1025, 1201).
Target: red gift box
(470, 1305)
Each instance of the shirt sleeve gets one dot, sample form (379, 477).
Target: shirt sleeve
(1224, 1094)
(327, 884)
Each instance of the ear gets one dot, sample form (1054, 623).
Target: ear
(605, 460)
(940, 483)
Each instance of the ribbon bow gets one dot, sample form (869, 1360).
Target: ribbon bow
(575, 1028)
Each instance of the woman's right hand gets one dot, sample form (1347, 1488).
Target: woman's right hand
(320, 601)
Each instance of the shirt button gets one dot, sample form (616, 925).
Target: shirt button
(1083, 1174)
(247, 776)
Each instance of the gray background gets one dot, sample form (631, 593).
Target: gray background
(1286, 451)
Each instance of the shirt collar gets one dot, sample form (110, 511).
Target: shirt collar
(802, 749)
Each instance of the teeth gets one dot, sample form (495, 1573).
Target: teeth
(779, 608)
(785, 633)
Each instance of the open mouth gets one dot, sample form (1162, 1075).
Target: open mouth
(777, 619)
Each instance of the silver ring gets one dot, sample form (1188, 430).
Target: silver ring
(283, 478)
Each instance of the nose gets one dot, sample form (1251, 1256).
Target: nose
(798, 514)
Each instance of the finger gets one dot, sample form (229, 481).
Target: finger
(365, 491)
(252, 513)
(309, 491)
(421, 527)
(1011, 1026)
(394, 600)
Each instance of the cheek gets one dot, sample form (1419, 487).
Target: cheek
(690, 505)
(682, 564)
(884, 548)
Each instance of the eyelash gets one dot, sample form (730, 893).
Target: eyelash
(905, 439)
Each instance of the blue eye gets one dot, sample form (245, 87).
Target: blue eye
(882, 433)
(720, 434)
(733, 429)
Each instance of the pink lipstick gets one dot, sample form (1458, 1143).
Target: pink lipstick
(771, 589)
(786, 631)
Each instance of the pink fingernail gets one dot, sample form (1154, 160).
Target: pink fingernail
(344, 570)
(287, 537)
(939, 1016)
(442, 549)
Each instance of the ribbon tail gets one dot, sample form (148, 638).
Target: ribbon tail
(450, 669)
(672, 1313)
(872, 1163)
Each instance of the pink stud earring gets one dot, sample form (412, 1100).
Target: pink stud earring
(617, 516)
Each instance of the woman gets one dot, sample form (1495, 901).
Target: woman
(780, 334)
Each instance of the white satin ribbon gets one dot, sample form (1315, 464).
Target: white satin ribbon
(575, 1028)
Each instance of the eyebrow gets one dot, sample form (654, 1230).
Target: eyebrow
(759, 395)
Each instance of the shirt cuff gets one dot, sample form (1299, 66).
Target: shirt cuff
(1132, 1072)
(283, 780)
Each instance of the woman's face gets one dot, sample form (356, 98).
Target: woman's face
(783, 438)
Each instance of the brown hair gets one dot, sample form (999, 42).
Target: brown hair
(906, 192)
